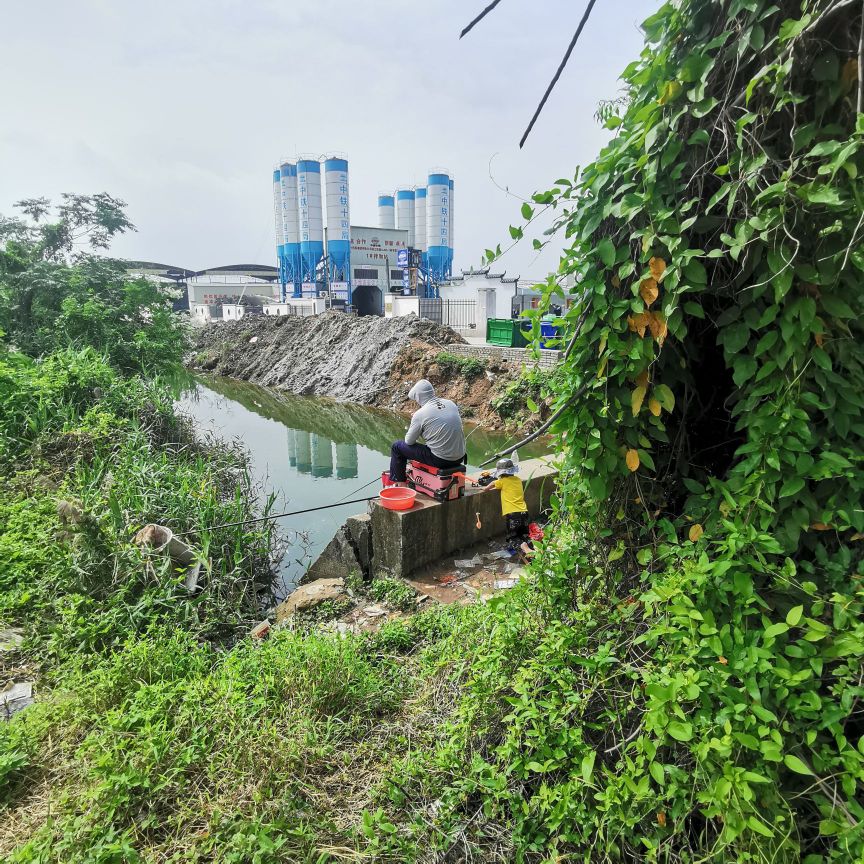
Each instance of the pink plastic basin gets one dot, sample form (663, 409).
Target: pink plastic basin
(397, 498)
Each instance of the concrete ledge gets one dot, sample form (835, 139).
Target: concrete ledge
(545, 358)
(404, 541)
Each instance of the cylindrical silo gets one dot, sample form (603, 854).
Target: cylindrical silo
(280, 230)
(405, 213)
(338, 227)
(290, 227)
(420, 218)
(311, 222)
(386, 211)
(450, 244)
(438, 224)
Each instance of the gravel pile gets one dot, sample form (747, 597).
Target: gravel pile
(333, 354)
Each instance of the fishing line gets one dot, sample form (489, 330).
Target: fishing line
(275, 516)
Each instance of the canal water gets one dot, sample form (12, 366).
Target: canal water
(310, 452)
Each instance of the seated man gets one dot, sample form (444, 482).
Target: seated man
(439, 425)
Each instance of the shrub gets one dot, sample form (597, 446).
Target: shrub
(452, 365)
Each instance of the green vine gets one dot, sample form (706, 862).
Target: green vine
(698, 663)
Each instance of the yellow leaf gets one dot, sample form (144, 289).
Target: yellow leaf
(820, 526)
(856, 537)
(661, 819)
(654, 407)
(632, 460)
(616, 282)
(648, 290)
(819, 339)
(696, 531)
(670, 92)
(657, 266)
(639, 323)
(602, 347)
(637, 398)
(657, 325)
(642, 378)
(722, 660)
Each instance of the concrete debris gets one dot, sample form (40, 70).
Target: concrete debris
(253, 340)
(468, 563)
(11, 639)
(14, 697)
(374, 611)
(495, 556)
(309, 596)
(504, 584)
(259, 631)
(509, 567)
(159, 539)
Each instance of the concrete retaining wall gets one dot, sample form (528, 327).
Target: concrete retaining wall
(401, 542)
(525, 356)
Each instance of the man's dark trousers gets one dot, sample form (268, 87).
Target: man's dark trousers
(401, 452)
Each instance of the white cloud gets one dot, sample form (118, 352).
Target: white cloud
(181, 108)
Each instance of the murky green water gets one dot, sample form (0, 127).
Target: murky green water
(311, 452)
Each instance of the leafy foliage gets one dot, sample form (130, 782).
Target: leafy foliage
(52, 294)
(683, 682)
(453, 364)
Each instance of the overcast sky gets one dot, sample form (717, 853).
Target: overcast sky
(182, 107)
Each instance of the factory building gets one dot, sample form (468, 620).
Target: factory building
(335, 260)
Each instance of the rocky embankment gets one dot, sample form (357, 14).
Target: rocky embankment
(369, 361)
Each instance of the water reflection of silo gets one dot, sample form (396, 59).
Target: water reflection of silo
(303, 448)
(292, 448)
(322, 456)
(346, 461)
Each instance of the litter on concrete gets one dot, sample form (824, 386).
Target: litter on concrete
(495, 556)
(14, 697)
(467, 563)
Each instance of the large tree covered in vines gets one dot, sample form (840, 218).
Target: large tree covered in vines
(688, 684)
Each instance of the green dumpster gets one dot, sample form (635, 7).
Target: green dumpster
(505, 332)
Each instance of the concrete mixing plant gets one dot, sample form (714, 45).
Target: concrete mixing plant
(414, 225)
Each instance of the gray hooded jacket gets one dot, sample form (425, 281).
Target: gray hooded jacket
(437, 422)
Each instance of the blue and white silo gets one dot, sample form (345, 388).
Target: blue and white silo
(450, 244)
(311, 223)
(290, 229)
(438, 225)
(386, 211)
(405, 204)
(420, 224)
(338, 227)
(280, 230)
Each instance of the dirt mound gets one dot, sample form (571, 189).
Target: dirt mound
(472, 391)
(333, 354)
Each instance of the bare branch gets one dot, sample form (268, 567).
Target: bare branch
(558, 72)
(480, 17)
